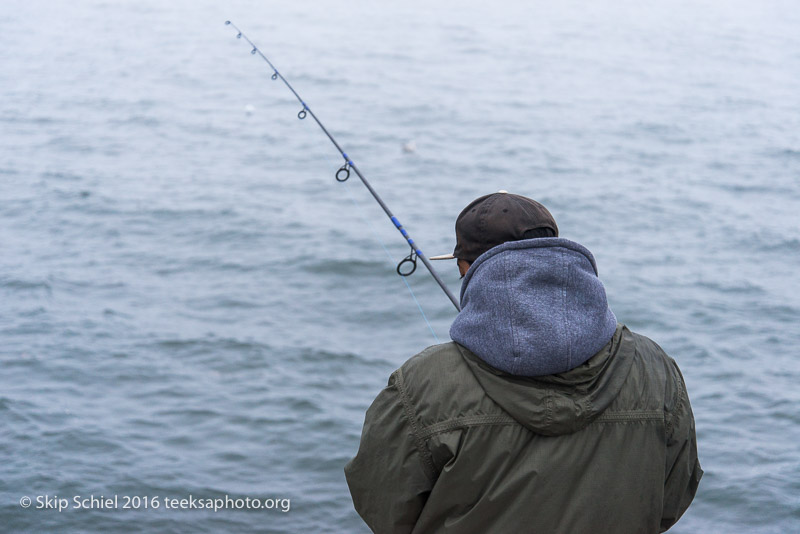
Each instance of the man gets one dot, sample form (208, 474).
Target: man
(543, 414)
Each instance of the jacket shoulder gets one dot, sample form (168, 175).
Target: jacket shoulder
(655, 374)
(439, 385)
(436, 358)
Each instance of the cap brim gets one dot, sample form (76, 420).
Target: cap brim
(443, 257)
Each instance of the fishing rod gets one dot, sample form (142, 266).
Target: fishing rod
(409, 264)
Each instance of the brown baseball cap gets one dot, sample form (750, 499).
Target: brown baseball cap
(492, 220)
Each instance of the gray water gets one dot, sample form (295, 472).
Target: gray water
(190, 304)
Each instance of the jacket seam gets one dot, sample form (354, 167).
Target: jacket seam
(491, 420)
(678, 403)
(465, 422)
(427, 461)
(648, 415)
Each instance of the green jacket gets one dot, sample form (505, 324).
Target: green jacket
(453, 445)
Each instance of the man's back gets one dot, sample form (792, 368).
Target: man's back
(543, 415)
(455, 445)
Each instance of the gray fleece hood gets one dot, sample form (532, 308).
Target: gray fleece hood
(534, 307)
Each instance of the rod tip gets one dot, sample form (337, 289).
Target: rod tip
(227, 22)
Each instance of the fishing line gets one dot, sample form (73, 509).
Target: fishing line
(408, 265)
(360, 212)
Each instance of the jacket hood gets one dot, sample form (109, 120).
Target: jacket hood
(534, 307)
(561, 403)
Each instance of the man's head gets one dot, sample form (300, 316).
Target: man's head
(492, 220)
